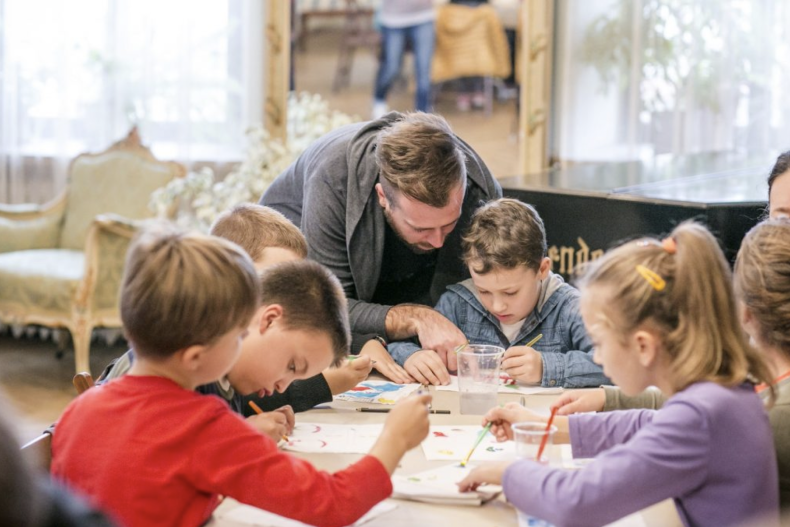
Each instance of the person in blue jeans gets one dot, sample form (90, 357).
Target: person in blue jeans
(403, 20)
(510, 299)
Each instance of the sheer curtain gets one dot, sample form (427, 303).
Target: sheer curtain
(75, 76)
(640, 78)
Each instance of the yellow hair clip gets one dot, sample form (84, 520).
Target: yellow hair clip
(651, 277)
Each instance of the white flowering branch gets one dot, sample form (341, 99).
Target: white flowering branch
(200, 197)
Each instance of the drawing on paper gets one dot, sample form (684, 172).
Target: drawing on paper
(380, 392)
(454, 442)
(332, 438)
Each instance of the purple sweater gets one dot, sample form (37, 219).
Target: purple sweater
(710, 448)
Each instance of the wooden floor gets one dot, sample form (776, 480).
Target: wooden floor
(39, 385)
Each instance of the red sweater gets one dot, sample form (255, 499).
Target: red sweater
(152, 453)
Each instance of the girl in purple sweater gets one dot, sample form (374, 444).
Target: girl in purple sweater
(659, 314)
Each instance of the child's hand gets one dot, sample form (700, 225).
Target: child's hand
(405, 428)
(490, 473)
(426, 367)
(290, 417)
(409, 420)
(384, 362)
(502, 417)
(348, 374)
(578, 401)
(274, 424)
(523, 364)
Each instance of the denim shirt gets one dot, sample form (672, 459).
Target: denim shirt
(566, 349)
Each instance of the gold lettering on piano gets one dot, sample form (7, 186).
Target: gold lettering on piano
(570, 258)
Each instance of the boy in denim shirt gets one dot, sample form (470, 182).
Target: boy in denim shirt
(511, 298)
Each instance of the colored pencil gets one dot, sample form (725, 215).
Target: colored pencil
(386, 410)
(534, 341)
(546, 434)
(477, 442)
(352, 357)
(259, 411)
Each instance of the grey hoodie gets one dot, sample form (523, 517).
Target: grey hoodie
(329, 192)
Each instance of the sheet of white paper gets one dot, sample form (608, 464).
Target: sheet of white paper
(507, 387)
(378, 392)
(328, 438)
(454, 442)
(259, 518)
(440, 485)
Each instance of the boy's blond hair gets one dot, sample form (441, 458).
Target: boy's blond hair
(421, 157)
(182, 289)
(255, 228)
(686, 297)
(504, 234)
(312, 300)
(762, 280)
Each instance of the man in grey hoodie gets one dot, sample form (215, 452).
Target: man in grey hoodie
(383, 205)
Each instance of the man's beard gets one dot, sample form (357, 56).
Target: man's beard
(412, 246)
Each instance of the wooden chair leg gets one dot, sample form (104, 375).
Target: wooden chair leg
(81, 335)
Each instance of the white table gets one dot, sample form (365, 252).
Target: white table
(412, 514)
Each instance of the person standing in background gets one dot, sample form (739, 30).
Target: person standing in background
(403, 20)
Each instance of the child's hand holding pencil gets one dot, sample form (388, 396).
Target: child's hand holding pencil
(277, 424)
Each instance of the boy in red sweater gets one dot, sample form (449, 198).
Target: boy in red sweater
(166, 452)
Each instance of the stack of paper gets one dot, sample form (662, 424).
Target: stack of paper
(507, 386)
(259, 518)
(378, 392)
(441, 486)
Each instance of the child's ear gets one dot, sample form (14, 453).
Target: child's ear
(192, 356)
(270, 314)
(543, 270)
(647, 347)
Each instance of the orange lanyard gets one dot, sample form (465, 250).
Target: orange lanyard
(761, 387)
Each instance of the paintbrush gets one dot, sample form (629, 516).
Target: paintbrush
(477, 442)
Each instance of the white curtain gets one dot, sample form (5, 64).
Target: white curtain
(75, 76)
(639, 78)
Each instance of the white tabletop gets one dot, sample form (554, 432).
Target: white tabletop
(410, 513)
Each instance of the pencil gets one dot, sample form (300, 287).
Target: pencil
(477, 442)
(386, 410)
(534, 341)
(352, 357)
(546, 434)
(259, 411)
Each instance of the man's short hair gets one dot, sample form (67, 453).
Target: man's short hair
(182, 289)
(255, 228)
(421, 157)
(312, 300)
(504, 234)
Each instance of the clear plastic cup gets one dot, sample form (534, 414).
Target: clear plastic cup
(478, 377)
(528, 437)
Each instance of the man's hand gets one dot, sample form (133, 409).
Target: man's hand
(426, 367)
(431, 327)
(384, 363)
(523, 364)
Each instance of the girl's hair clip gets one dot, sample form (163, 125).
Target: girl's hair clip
(670, 245)
(651, 277)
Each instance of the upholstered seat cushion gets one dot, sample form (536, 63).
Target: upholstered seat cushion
(43, 279)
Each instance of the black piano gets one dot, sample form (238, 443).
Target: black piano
(589, 208)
